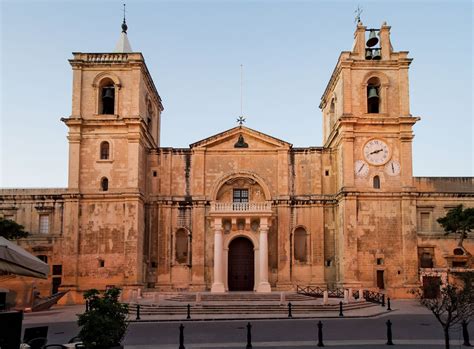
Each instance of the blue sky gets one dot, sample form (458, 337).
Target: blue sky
(194, 49)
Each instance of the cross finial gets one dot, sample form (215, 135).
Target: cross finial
(124, 23)
(240, 120)
(357, 12)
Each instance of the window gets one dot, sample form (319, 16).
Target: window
(425, 257)
(57, 269)
(104, 150)
(43, 258)
(107, 95)
(376, 182)
(182, 247)
(300, 245)
(44, 223)
(101, 263)
(104, 184)
(241, 195)
(425, 221)
(373, 96)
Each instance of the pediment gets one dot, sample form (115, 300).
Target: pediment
(241, 137)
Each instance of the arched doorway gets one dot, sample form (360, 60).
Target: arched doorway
(241, 267)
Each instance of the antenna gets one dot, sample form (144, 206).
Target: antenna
(357, 12)
(241, 118)
(124, 12)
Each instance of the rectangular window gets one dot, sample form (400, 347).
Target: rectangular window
(57, 269)
(425, 221)
(44, 223)
(241, 195)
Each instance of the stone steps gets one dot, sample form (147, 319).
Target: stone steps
(239, 297)
(168, 309)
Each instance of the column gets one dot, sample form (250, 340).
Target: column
(263, 286)
(218, 285)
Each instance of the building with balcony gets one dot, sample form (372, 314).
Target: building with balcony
(240, 210)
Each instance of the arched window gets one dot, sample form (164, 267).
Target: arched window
(376, 182)
(182, 246)
(300, 245)
(373, 96)
(104, 184)
(332, 110)
(107, 97)
(104, 150)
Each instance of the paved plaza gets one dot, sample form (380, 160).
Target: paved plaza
(413, 327)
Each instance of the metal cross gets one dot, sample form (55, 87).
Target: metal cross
(357, 12)
(241, 120)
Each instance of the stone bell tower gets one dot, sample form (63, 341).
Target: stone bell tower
(368, 126)
(115, 121)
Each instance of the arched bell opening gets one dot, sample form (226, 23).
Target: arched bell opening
(373, 96)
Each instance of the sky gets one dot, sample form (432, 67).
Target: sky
(194, 49)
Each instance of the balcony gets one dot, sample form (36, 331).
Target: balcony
(241, 208)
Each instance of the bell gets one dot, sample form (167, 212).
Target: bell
(373, 39)
(376, 54)
(108, 93)
(368, 53)
(372, 92)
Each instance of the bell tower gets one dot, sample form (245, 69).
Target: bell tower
(367, 126)
(115, 122)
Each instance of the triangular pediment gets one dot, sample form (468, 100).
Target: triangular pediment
(241, 137)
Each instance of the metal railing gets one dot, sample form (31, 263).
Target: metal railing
(374, 297)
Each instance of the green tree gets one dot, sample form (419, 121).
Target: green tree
(11, 230)
(458, 221)
(105, 324)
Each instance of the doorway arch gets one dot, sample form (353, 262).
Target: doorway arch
(241, 265)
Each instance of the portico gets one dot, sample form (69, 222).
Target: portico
(232, 221)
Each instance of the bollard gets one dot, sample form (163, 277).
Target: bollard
(340, 309)
(383, 300)
(465, 334)
(388, 304)
(249, 336)
(325, 297)
(389, 332)
(181, 337)
(87, 306)
(189, 312)
(138, 312)
(320, 334)
(289, 310)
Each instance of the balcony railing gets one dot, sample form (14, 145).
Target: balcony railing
(232, 207)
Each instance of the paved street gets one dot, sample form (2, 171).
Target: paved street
(409, 331)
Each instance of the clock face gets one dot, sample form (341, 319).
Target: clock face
(392, 168)
(376, 152)
(361, 168)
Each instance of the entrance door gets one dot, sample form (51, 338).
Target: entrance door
(380, 282)
(431, 286)
(241, 265)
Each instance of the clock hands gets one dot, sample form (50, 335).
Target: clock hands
(376, 151)
(360, 169)
(393, 169)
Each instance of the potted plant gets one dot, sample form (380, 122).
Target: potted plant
(104, 325)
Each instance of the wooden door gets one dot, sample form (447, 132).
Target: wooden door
(380, 281)
(431, 286)
(241, 265)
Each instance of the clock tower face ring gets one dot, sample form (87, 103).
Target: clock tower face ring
(376, 152)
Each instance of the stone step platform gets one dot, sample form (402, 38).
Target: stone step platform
(256, 308)
(234, 297)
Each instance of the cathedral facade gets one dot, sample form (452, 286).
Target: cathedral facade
(240, 210)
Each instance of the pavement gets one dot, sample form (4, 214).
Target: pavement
(69, 314)
(413, 327)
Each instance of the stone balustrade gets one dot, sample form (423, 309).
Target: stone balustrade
(241, 207)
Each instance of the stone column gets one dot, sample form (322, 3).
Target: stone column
(218, 285)
(263, 286)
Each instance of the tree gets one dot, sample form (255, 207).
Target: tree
(458, 221)
(453, 305)
(105, 323)
(11, 230)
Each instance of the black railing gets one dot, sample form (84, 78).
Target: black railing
(318, 292)
(374, 297)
